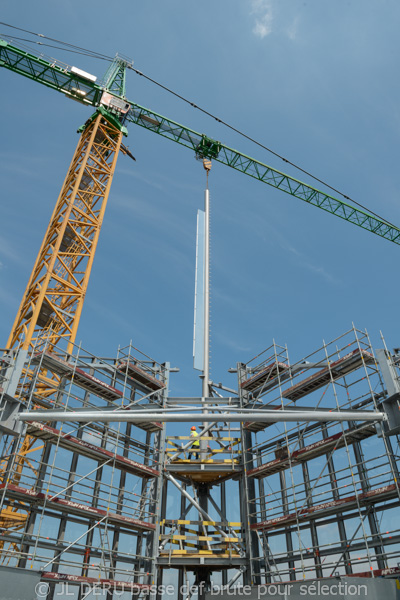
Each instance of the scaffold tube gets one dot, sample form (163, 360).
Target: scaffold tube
(132, 416)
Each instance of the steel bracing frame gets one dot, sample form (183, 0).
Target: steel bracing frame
(202, 538)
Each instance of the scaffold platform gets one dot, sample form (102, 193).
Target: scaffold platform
(204, 471)
(266, 378)
(336, 369)
(140, 376)
(84, 448)
(321, 511)
(75, 508)
(85, 380)
(324, 446)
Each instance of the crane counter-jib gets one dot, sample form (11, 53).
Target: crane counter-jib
(81, 86)
(71, 81)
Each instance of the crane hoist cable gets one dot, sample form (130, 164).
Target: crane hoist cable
(99, 55)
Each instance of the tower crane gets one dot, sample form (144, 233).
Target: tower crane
(52, 304)
(53, 300)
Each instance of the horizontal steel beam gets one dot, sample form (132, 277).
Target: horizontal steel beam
(133, 416)
(203, 399)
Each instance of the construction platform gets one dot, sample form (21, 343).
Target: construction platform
(256, 502)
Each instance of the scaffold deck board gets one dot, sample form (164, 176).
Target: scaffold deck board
(339, 368)
(314, 450)
(254, 426)
(75, 508)
(172, 522)
(198, 554)
(140, 376)
(150, 426)
(52, 362)
(325, 509)
(210, 537)
(217, 562)
(389, 572)
(80, 579)
(208, 461)
(203, 437)
(80, 446)
(78, 376)
(265, 379)
(205, 471)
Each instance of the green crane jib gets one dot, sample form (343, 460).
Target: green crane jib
(110, 96)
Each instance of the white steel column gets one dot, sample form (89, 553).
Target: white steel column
(206, 372)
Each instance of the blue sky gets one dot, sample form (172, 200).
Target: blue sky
(315, 81)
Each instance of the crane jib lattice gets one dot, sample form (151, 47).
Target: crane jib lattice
(62, 78)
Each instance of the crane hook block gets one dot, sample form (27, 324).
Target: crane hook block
(207, 164)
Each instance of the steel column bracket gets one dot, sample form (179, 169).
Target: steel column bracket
(9, 422)
(107, 115)
(390, 405)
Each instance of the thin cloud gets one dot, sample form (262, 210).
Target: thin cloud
(8, 298)
(292, 29)
(9, 253)
(269, 16)
(307, 264)
(263, 13)
(229, 342)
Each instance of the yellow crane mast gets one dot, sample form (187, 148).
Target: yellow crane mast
(53, 300)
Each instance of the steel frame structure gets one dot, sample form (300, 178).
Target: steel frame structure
(323, 496)
(66, 503)
(85, 508)
(311, 499)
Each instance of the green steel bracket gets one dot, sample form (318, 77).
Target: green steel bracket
(107, 115)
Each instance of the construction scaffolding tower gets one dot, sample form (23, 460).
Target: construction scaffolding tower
(81, 503)
(259, 502)
(324, 496)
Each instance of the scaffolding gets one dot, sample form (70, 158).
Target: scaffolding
(79, 502)
(256, 503)
(326, 494)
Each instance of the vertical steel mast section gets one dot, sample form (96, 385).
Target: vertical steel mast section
(53, 300)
